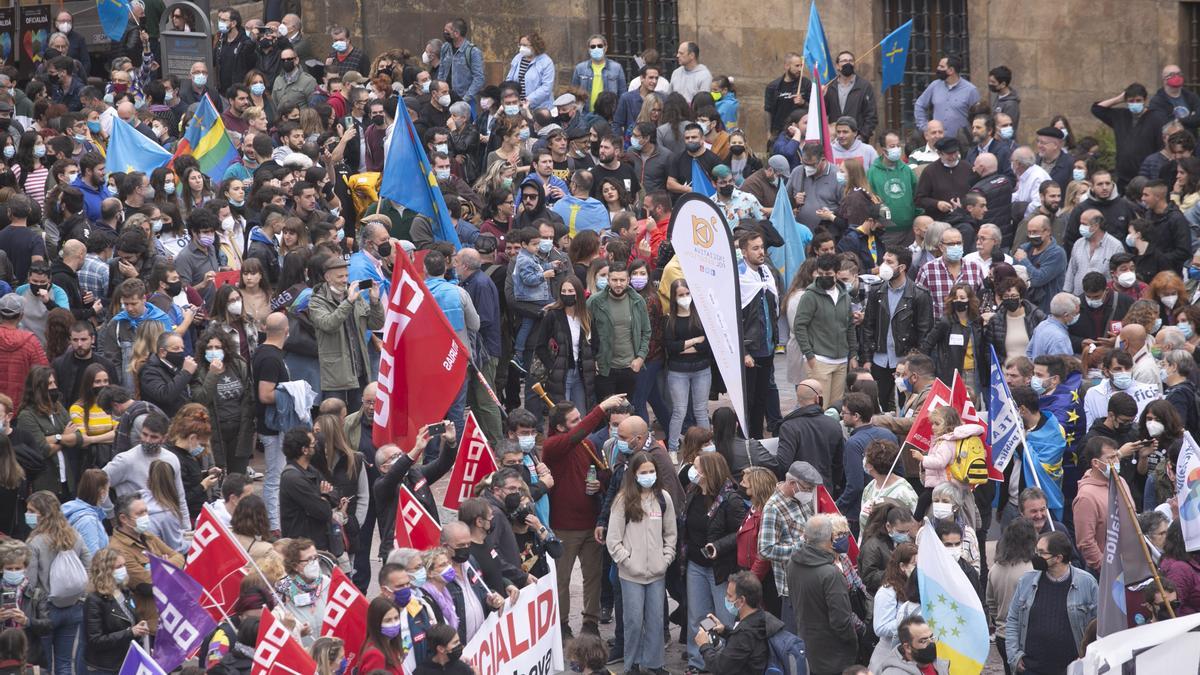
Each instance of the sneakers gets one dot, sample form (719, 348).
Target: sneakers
(254, 475)
(674, 457)
(614, 656)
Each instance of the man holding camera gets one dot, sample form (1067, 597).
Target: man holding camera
(746, 648)
(341, 316)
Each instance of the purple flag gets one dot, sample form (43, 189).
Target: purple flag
(1124, 563)
(182, 621)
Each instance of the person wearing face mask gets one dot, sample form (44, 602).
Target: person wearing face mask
(894, 182)
(695, 154)
(444, 648)
(746, 646)
(1137, 128)
(856, 413)
(824, 330)
(533, 69)
(953, 536)
(736, 205)
(892, 603)
(304, 592)
(1044, 261)
(1050, 609)
(947, 99)
(1091, 504)
(535, 541)
(1089, 254)
(472, 596)
(416, 613)
(792, 505)
(563, 344)
(460, 61)
(133, 541)
(821, 601)
(598, 74)
(943, 184)
(398, 467)
(110, 621)
(814, 187)
(341, 315)
(915, 652)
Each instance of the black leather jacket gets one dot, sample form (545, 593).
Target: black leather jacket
(911, 322)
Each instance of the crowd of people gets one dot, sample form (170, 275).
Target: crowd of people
(153, 328)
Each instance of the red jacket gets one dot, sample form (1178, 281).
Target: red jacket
(569, 455)
(20, 351)
(747, 546)
(372, 659)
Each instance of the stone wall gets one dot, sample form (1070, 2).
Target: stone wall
(1064, 54)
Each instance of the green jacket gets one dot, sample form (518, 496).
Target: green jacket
(832, 333)
(896, 187)
(602, 328)
(329, 316)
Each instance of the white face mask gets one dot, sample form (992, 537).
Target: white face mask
(1169, 301)
(1155, 428)
(941, 510)
(886, 272)
(805, 496)
(312, 570)
(1126, 279)
(955, 552)
(685, 301)
(235, 308)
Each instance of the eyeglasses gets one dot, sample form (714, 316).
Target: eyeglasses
(596, 46)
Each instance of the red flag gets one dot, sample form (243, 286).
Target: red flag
(920, 436)
(423, 363)
(825, 504)
(474, 462)
(278, 652)
(345, 616)
(962, 402)
(217, 561)
(415, 528)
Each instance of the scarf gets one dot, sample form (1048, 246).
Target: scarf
(753, 282)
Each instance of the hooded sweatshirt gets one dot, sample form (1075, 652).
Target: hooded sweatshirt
(88, 521)
(895, 664)
(525, 218)
(19, 351)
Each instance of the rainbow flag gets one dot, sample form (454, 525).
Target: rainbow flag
(206, 140)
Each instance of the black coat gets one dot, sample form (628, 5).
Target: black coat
(1170, 248)
(725, 517)
(553, 349)
(1137, 138)
(1095, 323)
(67, 279)
(911, 322)
(996, 330)
(808, 435)
(746, 649)
(860, 104)
(998, 190)
(303, 510)
(949, 357)
(164, 386)
(191, 473)
(385, 491)
(109, 631)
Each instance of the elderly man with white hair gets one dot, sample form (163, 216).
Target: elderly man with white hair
(1030, 177)
(1050, 338)
(1091, 251)
(987, 241)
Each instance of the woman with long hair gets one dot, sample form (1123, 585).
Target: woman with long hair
(228, 315)
(1182, 567)
(513, 132)
(341, 466)
(165, 506)
(497, 178)
(891, 524)
(256, 292)
(564, 346)
(251, 526)
(232, 235)
(29, 167)
(797, 365)
(44, 419)
(676, 114)
(58, 332)
(739, 453)
(145, 345)
(742, 160)
(642, 542)
(85, 514)
(949, 502)
(224, 386)
(1161, 429)
(52, 538)
(1167, 289)
(756, 486)
(614, 196)
(689, 362)
(14, 484)
(330, 656)
(383, 649)
(110, 620)
(647, 389)
(697, 440)
(1011, 326)
(957, 339)
(892, 604)
(99, 428)
(497, 215)
(533, 70)
(188, 438)
(711, 515)
(294, 236)
(597, 276)
(194, 190)
(260, 92)
(1014, 557)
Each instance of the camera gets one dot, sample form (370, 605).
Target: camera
(519, 515)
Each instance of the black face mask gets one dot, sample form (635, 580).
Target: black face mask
(175, 359)
(959, 305)
(38, 288)
(1039, 563)
(825, 283)
(1035, 242)
(379, 120)
(461, 555)
(55, 395)
(725, 191)
(385, 249)
(596, 148)
(289, 66)
(567, 300)
(926, 654)
(737, 149)
(942, 74)
(174, 287)
(455, 654)
(1011, 304)
(446, 37)
(847, 69)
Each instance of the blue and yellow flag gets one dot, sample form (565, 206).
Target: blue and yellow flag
(701, 183)
(114, 17)
(894, 54)
(816, 47)
(951, 607)
(408, 179)
(206, 140)
(130, 150)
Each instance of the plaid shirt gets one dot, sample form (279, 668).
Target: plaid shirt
(782, 534)
(93, 276)
(936, 277)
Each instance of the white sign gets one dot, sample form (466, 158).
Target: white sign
(523, 638)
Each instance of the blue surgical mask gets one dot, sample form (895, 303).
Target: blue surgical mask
(1006, 132)
(623, 446)
(120, 575)
(214, 355)
(93, 126)
(527, 442)
(709, 448)
(1078, 174)
(1185, 328)
(635, 143)
(842, 543)
(1037, 385)
(596, 53)
(420, 577)
(200, 80)
(340, 46)
(601, 283)
(9, 152)
(954, 253)
(730, 607)
(509, 110)
(1130, 240)
(523, 134)
(14, 577)
(222, 27)
(894, 154)
(442, 174)
(545, 246)
(899, 537)
(841, 178)
(196, 451)
(1085, 231)
(1162, 374)
(31, 519)
(1136, 108)
(258, 88)
(647, 480)
(1122, 381)
(169, 188)
(693, 475)
(1157, 325)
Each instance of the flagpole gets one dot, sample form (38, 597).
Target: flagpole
(249, 557)
(1124, 490)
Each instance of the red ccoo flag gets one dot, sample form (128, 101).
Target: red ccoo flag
(959, 400)
(217, 561)
(277, 652)
(474, 462)
(826, 505)
(345, 616)
(415, 528)
(423, 363)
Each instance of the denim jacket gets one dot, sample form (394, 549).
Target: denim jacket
(464, 68)
(1082, 601)
(528, 282)
(613, 73)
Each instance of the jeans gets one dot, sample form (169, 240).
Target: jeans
(273, 451)
(59, 645)
(574, 391)
(704, 597)
(522, 337)
(648, 390)
(681, 385)
(643, 621)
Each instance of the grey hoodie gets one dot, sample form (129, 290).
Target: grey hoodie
(895, 664)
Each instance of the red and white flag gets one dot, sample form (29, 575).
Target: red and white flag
(217, 561)
(415, 528)
(474, 462)
(960, 401)
(345, 616)
(423, 364)
(826, 505)
(278, 652)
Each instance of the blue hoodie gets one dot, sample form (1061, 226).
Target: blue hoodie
(92, 197)
(88, 521)
(152, 312)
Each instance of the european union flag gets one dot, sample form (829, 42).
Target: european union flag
(894, 52)
(114, 17)
(408, 179)
(129, 150)
(816, 47)
(701, 184)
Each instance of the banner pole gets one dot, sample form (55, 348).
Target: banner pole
(1125, 496)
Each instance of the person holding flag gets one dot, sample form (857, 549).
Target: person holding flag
(1040, 459)
(397, 468)
(682, 171)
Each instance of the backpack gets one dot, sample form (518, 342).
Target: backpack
(68, 579)
(787, 655)
(969, 465)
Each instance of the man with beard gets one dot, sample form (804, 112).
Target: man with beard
(1103, 197)
(69, 367)
(611, 166)
(341, 318)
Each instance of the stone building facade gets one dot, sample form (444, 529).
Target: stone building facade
(1064, 53)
